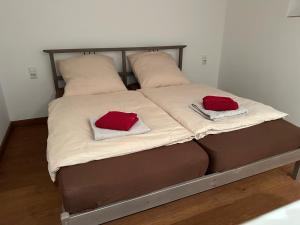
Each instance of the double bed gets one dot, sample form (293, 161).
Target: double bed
(104, 180)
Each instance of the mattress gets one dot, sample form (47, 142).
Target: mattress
(175, 100)
(71, 141)
(102, 182)
(237, 148)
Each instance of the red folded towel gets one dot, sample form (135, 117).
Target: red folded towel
(218, 103)
(117, 121)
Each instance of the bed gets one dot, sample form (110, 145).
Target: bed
(145, 186)
(89, 178)
(89, 171)
(230, 145)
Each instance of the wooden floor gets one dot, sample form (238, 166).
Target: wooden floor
(28, 197)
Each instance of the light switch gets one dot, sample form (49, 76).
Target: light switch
(32, 73)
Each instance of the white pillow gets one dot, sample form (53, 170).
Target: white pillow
(90, 74)
(156, 69)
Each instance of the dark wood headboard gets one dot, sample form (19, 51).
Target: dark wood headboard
(58, 80)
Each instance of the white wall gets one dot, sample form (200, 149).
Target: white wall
(261, 54)
(28, 27)
(4, 120)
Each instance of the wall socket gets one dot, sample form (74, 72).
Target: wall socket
(204, 60)
(32, 73)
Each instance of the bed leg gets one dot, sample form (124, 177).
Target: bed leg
(64, 217)
(296, 172)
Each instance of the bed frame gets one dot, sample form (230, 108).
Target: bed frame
(128, 207)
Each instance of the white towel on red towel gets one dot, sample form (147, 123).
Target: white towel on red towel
(217, 115)
(100, 134)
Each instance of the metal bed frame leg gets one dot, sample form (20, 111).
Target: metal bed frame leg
(64, 217)
(296, 172)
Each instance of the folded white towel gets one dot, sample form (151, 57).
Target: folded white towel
(217, 115)
(99, 134)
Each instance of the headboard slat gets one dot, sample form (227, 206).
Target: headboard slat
(124, 72)
(54, 72)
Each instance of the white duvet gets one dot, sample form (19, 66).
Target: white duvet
(71, 141)
(175, 100)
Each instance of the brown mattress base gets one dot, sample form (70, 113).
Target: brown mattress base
(237, 148)
(98, 183)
